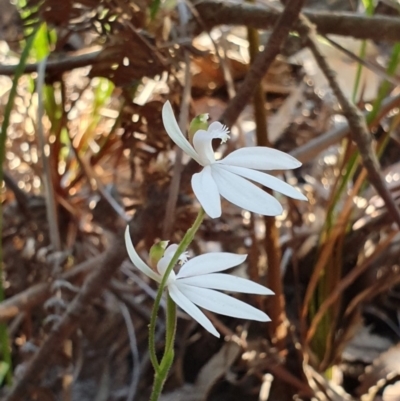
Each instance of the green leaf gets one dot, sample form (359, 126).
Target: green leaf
(41, 45)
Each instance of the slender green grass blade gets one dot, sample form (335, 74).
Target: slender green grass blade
(369, 10)
(154, 7)
(4, 368)
(4, 340)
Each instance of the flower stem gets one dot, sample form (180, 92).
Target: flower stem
(161, 376)
(162, 368)
(171, 324)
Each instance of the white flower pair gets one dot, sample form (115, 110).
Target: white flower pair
(198, 279)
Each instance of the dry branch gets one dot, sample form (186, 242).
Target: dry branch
(314, 147)
(38, 293)
(358, 127)
(378, 27)
(58, 63)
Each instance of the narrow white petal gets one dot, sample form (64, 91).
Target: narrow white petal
(136, 260)
(226, 282)
(175, 133)
(206, 191)
(245, 194)
(261, 158)
(267, 180)
(223, 304)
(210, 263)
(202, 144)
(191, 309)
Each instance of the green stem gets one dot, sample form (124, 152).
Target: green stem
(162, 368)
(171, 325)
(161, 376)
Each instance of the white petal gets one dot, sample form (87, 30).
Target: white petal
(202, 144)
(206, 191)
(191, 309)
(163, 263)
(166, 258)
(173, 130)
(210, 263)
(261, 158)
(218, 130)
(170, 251)
(162, 267)
(267, 180)
(244, 194)
(226, 282)
(223, 304)
(135, 258)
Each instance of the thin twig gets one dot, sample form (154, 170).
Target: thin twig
(311, 149)
(263, 61)
(51, 206)
(375, 68)
(358, 127)
(134, 350)
(58, 64)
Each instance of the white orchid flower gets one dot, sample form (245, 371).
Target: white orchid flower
(197, 280)
(229, 177)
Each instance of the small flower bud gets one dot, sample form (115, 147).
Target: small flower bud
(157, 252)
(199, 122)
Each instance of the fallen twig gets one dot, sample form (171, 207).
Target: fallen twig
(59, 63)
(38, 293)
(359, 26)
